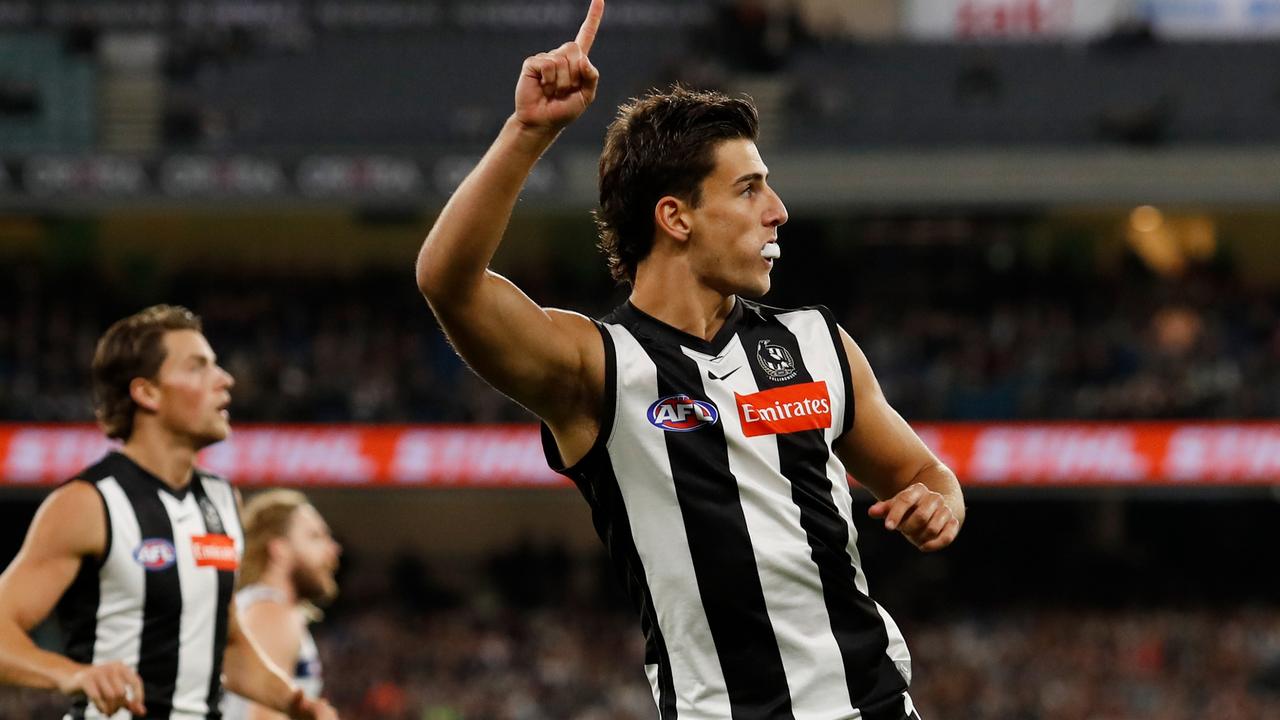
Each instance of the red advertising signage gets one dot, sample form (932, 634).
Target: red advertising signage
(994, 455)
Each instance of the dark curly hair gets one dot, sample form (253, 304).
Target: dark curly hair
(658, 145)
(131, 348)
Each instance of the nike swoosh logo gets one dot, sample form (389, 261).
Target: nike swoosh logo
(725, 376)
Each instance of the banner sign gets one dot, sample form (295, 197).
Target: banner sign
(982, 455)
(1012, 19)
(1223, 19)
(1085, 19)
(248, 177)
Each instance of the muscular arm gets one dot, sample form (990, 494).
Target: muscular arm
(525, 351)
(551, 361)
(69, 527)
(919, 496)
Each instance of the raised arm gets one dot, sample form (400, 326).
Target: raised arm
(551, 361)
(918, 495)
(69, 527)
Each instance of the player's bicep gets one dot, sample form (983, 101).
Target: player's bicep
(69, 527)
(881, 450)
(530, 353)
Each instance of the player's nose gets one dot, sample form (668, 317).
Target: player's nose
(776, 214)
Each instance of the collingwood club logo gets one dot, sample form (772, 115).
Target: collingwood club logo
(775, 361)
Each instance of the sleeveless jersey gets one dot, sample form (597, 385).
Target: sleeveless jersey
(157, 600)
(715, 487)
(305, 672)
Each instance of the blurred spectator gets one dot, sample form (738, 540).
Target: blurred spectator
(1090, 665)
(18, 98)
(757, 36)
(839, 19)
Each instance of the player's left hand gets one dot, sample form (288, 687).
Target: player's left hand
(921, 515)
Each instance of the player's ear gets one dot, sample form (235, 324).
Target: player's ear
(671, 216)
(144, 394)
(277, 549)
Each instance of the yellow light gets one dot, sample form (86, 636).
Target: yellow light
(1146, 218)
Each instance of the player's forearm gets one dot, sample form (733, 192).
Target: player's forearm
(260, 712)
(457, 251)
(23, 663)
(251, 676)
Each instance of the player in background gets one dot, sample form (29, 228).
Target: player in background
(287, 574)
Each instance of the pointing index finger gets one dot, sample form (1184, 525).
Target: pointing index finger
(587, 33)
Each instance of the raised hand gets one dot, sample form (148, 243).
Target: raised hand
(110, 687)
(556, 87)
(921, 515)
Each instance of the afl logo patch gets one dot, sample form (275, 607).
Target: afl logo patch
(155, 554)
(681, 413)
(775, 361)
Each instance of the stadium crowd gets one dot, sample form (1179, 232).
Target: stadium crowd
(949, 341)
(1030, 665)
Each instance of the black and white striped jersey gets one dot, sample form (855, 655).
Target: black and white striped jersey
(158, 599)
(715, 487)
